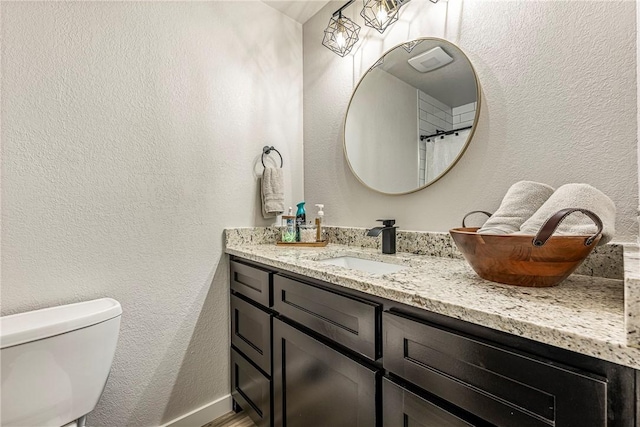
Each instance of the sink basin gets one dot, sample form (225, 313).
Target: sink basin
(373, 267)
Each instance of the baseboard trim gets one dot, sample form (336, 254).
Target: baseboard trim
(204, 414)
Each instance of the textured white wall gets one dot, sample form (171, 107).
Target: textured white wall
(559, 105)
(130, 135)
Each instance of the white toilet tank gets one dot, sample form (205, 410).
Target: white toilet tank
(54, 362)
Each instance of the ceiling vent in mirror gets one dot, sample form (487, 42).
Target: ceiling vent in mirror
(430, 60)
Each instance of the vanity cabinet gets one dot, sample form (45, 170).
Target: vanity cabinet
(316, 385)
(251, 389)
(251, 332)
(501, 386)
(251, 339)
(321, 340)
(252, 282)
(403, 408)
(349, 321)
(309, 353)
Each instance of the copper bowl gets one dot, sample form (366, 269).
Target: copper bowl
(538, 261)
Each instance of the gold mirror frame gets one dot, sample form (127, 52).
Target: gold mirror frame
(467, 142)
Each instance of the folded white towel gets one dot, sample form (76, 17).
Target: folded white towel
(581, 196)
(272, 191)
(522, 200)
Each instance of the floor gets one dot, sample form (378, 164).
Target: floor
(232, 420)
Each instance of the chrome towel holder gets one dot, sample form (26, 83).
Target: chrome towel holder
(267, 150)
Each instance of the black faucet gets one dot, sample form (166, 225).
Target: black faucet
(388, 231)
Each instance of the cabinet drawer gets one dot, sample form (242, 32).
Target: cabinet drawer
(317, 386)
(251, 389)
(251, 282)
(349, 321)
(502, 387)
(402, 408)
(251, 332)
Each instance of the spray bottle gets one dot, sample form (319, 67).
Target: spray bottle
(301, 219)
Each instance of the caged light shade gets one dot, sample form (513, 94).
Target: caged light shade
(379, 14)
(341, 34)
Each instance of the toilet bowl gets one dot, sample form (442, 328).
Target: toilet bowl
(54, 362)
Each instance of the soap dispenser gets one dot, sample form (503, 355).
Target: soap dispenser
(319, 218)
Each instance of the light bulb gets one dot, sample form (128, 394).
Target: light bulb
(341, 39)
(382, 13)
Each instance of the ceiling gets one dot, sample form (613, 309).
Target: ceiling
(454, 84)
(298, 10)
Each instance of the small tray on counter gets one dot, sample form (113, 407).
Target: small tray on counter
(304, 244)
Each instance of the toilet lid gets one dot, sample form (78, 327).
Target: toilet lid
(35, 325)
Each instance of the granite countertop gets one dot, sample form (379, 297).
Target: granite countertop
(585, 314)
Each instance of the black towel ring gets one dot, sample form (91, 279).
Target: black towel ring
(267, 150)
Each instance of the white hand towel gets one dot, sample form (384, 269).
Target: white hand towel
(522, 200)
(581, 196)
(272, 191)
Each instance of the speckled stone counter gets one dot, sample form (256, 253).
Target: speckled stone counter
(585, 314)
(604, 261)
(632, 294)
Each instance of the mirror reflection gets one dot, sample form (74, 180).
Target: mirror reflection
(411, 116)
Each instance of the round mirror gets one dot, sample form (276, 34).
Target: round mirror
(411, 116)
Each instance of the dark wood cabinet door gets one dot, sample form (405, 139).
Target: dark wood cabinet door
(251, 332)
(251, 389)
(349, 321)
(252, 282)
(315, 385)
(402, 408)
(503, 387)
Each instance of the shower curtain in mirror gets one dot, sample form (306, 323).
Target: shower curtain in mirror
(441, 152)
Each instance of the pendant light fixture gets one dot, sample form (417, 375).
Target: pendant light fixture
(341, 33)
(379, 14)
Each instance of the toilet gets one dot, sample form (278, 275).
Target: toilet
(54, 362)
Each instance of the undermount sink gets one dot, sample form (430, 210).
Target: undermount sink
(369, 266)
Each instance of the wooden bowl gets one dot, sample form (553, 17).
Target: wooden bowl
(516, 260)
